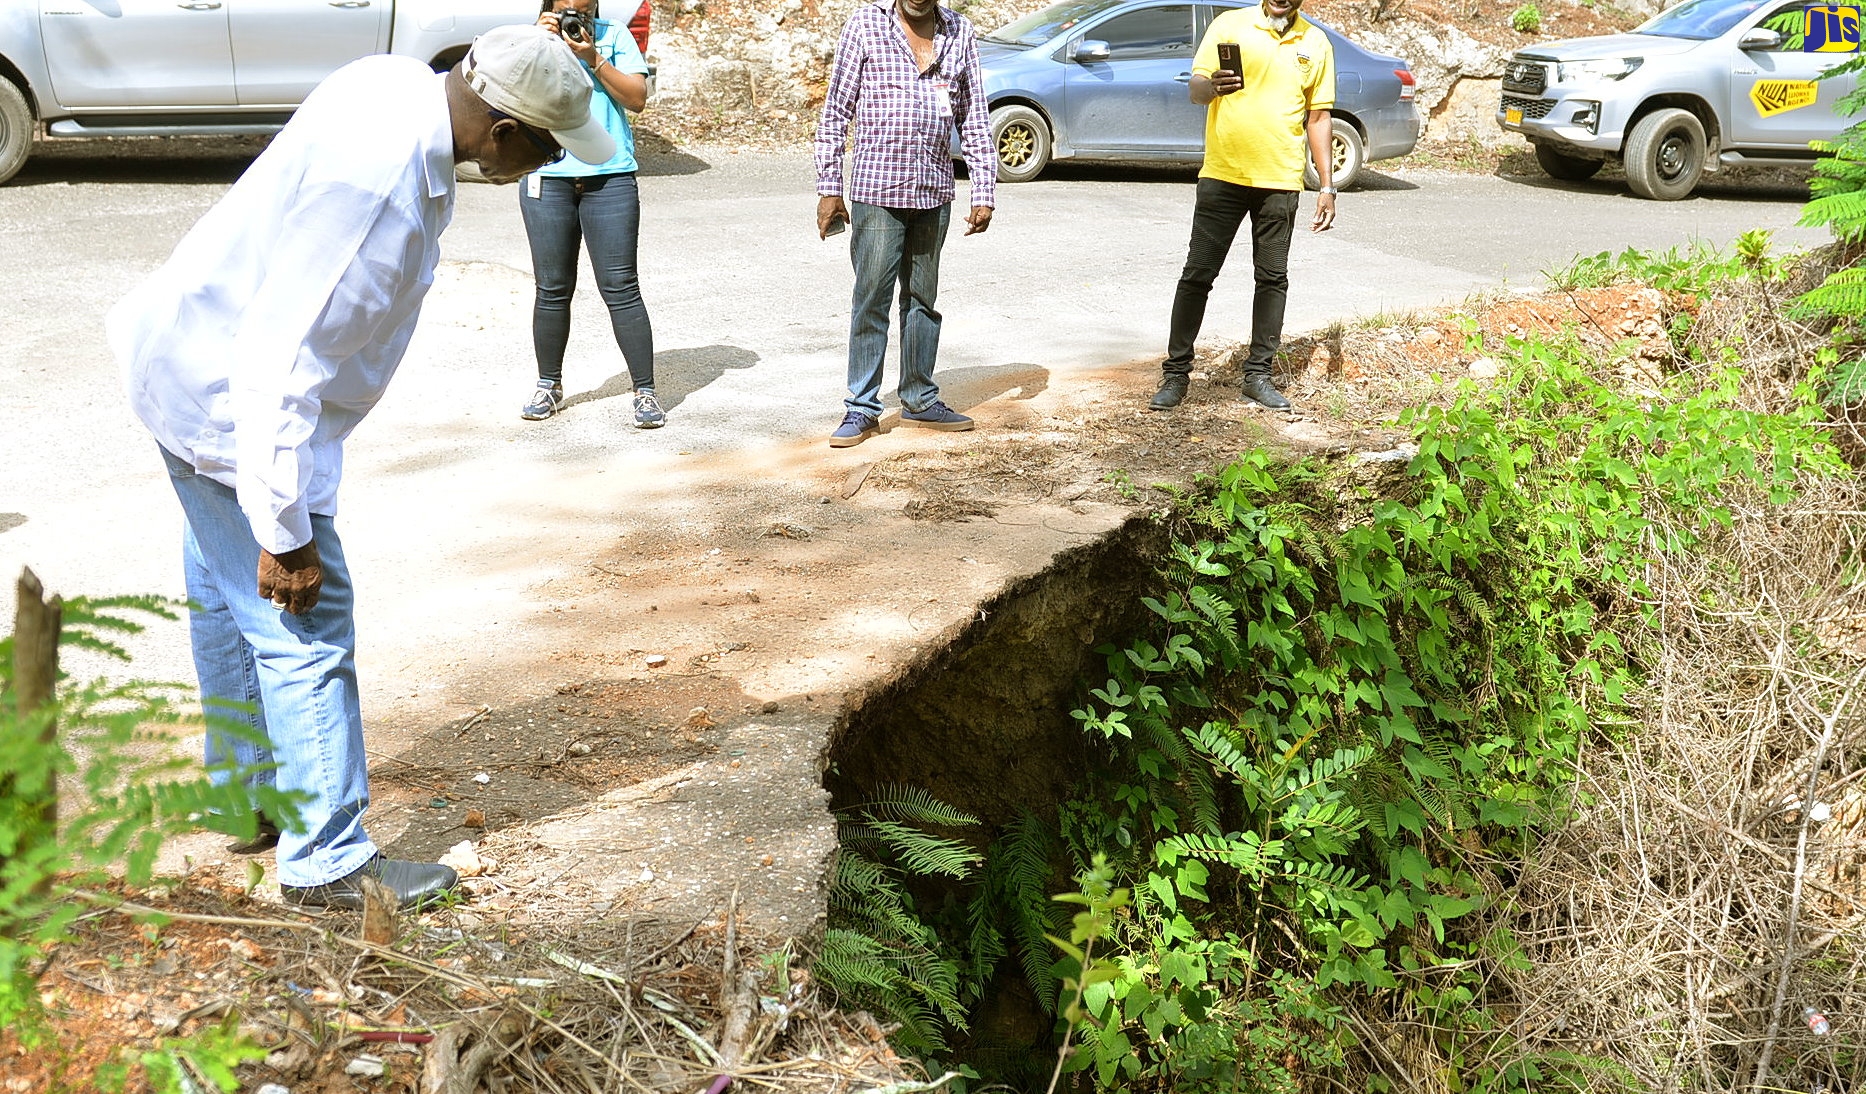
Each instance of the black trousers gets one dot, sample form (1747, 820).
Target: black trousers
(1219, 212)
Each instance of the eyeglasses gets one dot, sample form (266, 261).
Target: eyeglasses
(553, 152)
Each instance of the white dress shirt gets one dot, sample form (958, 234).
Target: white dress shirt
(276, 324)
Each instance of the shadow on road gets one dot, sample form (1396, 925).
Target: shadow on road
(678, 373)
(964, 388)
(1375, 181)
(656, 155)
(1754, 184)
(139, 159)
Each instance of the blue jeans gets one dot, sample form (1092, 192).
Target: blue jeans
(894, 247)
(291, 677)
(604, 213)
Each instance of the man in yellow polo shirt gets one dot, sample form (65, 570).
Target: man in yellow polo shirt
(1255, 127)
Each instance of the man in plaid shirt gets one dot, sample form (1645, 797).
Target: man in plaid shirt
(906, 72)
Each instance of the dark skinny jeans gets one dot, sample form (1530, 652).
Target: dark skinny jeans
(603, 212)
(1216, 217)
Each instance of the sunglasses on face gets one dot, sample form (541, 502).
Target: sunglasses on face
(553, 153)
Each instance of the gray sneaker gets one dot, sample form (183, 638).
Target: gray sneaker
(545, 399)
(648, 412)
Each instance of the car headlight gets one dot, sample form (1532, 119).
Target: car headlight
(1606, 68)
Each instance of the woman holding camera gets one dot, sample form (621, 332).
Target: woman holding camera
(572, 203)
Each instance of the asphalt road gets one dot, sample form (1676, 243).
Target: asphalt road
(750, 315)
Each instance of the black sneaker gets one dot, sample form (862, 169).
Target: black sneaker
(1172, 391)
(545, 399)
(648, 412)
(1259, 390)
(413, 883)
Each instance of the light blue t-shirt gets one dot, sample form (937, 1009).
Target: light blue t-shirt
(617, 46)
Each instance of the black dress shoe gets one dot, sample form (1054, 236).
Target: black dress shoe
(1259, 390)
(413, 883)
(265, 838)
(1172, 392)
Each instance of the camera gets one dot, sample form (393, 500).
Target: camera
(573, 24)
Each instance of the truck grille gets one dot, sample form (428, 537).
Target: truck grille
(1526, 76)
(1531, 108)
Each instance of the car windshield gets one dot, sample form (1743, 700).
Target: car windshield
(1700, 20)
(1034, 30)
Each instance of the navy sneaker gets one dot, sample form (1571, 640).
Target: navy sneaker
(544, 401)
(648, 412)
(856, 427)
(937, 415)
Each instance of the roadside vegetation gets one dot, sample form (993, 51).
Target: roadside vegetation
(1526, 759)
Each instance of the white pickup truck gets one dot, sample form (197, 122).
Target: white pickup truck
(85, 68)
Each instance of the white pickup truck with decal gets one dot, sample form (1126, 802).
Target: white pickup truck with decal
(1705, 84)
(75, 68)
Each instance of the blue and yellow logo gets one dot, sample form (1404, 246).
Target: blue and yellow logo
(1831, 30)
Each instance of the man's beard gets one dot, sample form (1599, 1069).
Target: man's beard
(1282, 23)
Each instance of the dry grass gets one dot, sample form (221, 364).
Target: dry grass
(1697, 904)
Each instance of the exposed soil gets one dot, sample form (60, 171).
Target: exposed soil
(920, 582)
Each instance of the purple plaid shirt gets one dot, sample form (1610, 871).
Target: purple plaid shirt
(904, 117)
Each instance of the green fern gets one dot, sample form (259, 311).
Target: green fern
(879, 951)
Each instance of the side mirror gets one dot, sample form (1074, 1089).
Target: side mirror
(1760, 39)
(1091, 50)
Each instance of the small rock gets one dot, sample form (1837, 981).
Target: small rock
(770, 706)
(467, 861)
(579, 748)
(647, 875)
(366, 1067)
(475, 818)
(1427, 336)
(766, 861)
(700, 718)
(274, 1088)
(1485, 368)
(482, 778)
(656, 660)
(245, 949)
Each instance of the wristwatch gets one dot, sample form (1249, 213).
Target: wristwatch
(1328, 190)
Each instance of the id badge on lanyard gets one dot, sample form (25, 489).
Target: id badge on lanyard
(942, 98)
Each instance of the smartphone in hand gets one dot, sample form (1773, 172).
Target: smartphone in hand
(837, 226)
(1231, 58)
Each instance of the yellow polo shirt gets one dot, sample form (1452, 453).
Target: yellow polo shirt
(1256, 136)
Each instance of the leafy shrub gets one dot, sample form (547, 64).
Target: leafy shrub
(1362, 701)
(1526, 19)
(138, 793)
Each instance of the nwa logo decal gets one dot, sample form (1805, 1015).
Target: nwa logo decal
(1831, 30)
(1774, 97)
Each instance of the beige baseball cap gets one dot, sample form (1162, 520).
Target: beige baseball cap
(530, 73)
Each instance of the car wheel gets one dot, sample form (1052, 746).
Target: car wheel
(1022, 140)
(1560, 165)
(1350, 157)
(1665, 155)
(16, 127)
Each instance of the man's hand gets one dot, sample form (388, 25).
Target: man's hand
(979, 220)
(292, 580)
(829, 209)
(1203, 89)
(1324, 213)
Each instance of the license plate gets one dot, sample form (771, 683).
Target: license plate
(1513, 116)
